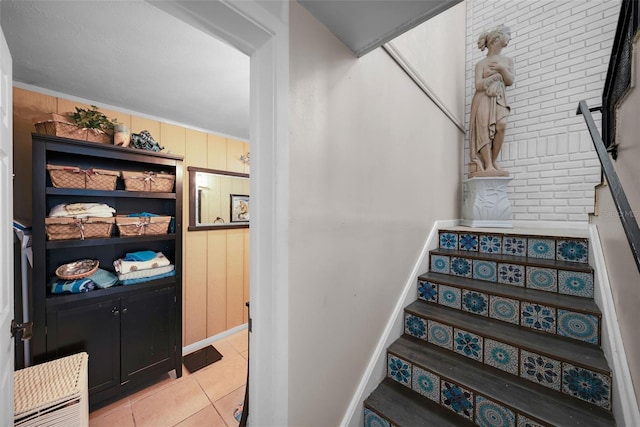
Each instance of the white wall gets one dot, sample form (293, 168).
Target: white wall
(373, 163)
(561, 53)
(623, 273)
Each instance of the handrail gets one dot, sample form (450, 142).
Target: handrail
(626, 215)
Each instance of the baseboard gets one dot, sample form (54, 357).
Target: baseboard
(625, 405)
(353, 415)
(210, 340)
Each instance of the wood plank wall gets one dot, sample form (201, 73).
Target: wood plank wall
(216, 263)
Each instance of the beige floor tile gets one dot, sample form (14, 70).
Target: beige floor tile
(161, 384)
(170, 405)
(121, 417)
(222, 377)
(225, 348)
(111, 408)
(228, 404)
(207, 417)
(239, 340)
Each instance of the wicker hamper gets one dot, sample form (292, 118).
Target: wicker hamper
(148, 181)
(74, 177)
(59, 125)
(52, 393)
(63, 228)
(142, 225)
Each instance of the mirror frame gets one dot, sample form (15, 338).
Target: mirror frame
(193, 226)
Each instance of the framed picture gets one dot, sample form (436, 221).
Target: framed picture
(239, 208)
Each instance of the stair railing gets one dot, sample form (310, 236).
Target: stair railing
(626, 215)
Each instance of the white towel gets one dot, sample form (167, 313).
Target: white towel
(82, 210)
(146, 273)
(123, 266)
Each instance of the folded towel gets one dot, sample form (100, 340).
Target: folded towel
(140, 256)
(82, 210)
(139, 274)
(122, 266)
(146, 279)
(145, 214)
(103, 278)
(60, 286)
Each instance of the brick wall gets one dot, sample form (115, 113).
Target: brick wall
(560, 50)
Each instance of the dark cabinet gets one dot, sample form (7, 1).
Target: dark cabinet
(132, 333)
(74, 328)
(146, 332)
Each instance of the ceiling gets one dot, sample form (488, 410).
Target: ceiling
(134, 56)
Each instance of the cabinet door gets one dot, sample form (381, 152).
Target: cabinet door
(147, 333)
(90, 327)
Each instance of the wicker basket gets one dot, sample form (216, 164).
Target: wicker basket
(52, 393)
(75, 228)
(74, 177)
(59, 125)
(142, 225)
(148, 181)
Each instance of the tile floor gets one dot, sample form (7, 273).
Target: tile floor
(205, 397)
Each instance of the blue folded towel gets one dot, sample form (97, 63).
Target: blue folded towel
(140, 256)
(103, 278)
(143, 214)
(146, 279)
(60, 286)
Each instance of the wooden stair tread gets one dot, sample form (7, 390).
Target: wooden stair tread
(406, 408)
(554, 346)
(523, 396)
(574, 303)
(512, 259)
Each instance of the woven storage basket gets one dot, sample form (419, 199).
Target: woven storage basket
(148, 181)
(74, 177)
(53, 393)
(59, 125)
(75, 228)
(142, 225)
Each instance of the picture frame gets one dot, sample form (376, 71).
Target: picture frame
(240, 208)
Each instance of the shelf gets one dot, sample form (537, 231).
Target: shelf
(74, 243)
(72, 146)
(101, 193)
(114, 291)
(143, 320)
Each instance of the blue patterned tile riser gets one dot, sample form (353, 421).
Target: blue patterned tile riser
(579, 326)
(558, 248)
(560, 375)
(490, 413)
(440, 264)
(468, 344)
(508, 358)
(371, 419)
(583, 384)
(567, 282)
(575, 283)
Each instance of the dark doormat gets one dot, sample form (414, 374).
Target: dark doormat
(201, 358)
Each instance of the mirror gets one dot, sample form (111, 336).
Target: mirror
(218, 199)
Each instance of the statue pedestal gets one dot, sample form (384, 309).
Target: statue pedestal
(486, 203)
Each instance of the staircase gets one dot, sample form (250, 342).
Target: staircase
(504, 332)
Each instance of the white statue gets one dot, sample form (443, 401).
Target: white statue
(489, 107)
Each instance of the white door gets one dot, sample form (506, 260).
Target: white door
(6, 236)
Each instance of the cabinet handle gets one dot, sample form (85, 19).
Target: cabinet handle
(124, 310)
(115, 311)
